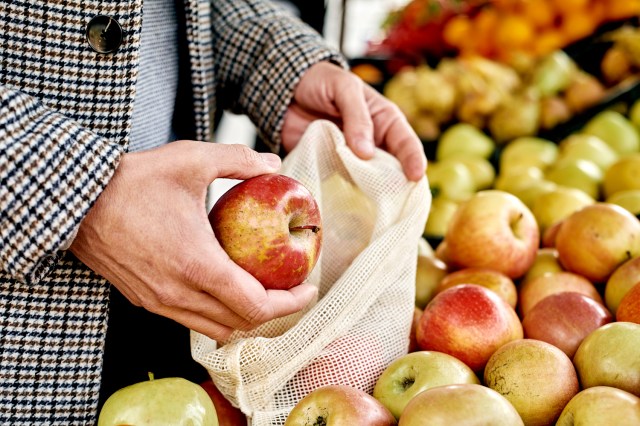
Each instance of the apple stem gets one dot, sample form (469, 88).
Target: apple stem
(315, 229)
(151, 376)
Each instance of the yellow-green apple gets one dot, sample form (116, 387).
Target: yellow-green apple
(166, 401)
(482, 171)
(601, 405)
(424, 248)
(440, 214)
(516, 180)
(495, 230)
(534, 290)
(461, 404)
(528, 151)
(634, 114)
(587, 147)
(550, 207)
(620, 282)
(580, 174)
(464, 140)
(622, 175)
(628, 199)
(418, 371)
(489, 278)
(413, 340)
(270, 225)
(616, 130)
(564, 320)
(584, 91)
(537, 378)
(629, 309)
(528, 193)
(450, 179)
(546, 261)
(609, 356)
(469, 322)
(597, 239)
(429, 273)
(336, 405)
(228, 414)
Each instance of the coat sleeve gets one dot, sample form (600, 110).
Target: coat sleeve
(260, 52)
(51, 172)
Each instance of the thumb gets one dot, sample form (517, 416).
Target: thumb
(234, 161)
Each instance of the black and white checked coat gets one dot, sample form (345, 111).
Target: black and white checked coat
(65, 118)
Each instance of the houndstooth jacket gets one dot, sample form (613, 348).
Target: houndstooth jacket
(65, 116)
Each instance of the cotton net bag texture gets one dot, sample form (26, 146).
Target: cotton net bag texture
(372, 219)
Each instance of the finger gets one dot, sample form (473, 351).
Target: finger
(396, 135)
(356, 118)
(199, 323)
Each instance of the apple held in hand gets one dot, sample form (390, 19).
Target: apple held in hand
(337, 405)
(494, 230)
(270, 225)
(469, 322)
(415, 372)
(170, 401)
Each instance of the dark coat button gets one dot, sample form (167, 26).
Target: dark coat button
(104, 34)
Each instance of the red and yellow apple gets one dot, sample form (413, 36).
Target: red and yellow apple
(495, 230)
(598, 238)
(469, 322)
(629, 309)
(270, 225)
(564, 320)
(601, 405)
(489, 278)
(337, 405)
(620, 282)
(228, 415)
(537, 378)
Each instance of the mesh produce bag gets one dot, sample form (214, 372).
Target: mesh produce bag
(372, 222)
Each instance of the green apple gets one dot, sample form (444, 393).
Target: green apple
(415, 372)
(587, 147)
(481, 169)
(440, 214)
(616, 130)
(337, 405)
(622, 175)
(553, 73)
(601, 405)
(515, 179)
(464, 140)
(461, 404)
(634, 113)
(620, 282)
(528, 151)
(608, 356)
(580, 174)
(528, 193)
(546, 261)
(429, 273)
(169, 401)
(537, 378)
(553, 206)
(628, 199)
(451, 179)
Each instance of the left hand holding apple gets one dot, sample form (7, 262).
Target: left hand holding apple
(367, 118)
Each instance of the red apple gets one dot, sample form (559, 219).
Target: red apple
(564, 320)
(270, 225)
(460, 404)
(495, 230)
(629, 309)
(228, 415)
(496, 281)
(336, 405)
(620, 282)
(535, 376)
(596, 239)
(609, 356)
(469, 322)
(536, 289)
(413, 340)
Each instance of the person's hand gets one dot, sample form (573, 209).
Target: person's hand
(365, 116)
(149, 235)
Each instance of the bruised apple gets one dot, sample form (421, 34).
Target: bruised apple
(337, 405)
(495, 230)
(270, 225)
(469, 322)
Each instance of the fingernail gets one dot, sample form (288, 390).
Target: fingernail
(272, 160)
(365, 147)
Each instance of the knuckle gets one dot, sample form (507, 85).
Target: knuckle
(248, 157)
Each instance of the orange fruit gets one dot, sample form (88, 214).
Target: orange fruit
(621, 9)
(513, 31)
(457, 30)
(547, 42)
(539, 12)
(577, 25)
(570, 6)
